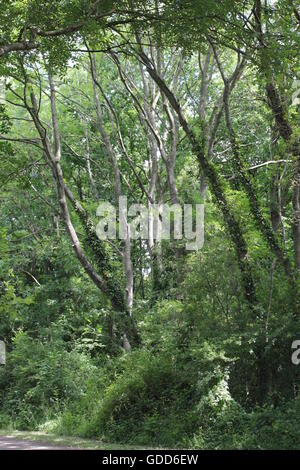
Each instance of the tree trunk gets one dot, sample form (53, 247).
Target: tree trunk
(233, 226)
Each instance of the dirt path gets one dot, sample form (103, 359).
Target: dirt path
(12, 443)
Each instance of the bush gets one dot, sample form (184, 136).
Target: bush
(145, 404)
(163, 399)
(40, 379)
(155, 399)
(264, 428)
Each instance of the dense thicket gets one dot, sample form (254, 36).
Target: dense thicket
(143, 341)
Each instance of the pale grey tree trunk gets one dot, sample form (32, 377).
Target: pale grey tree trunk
(88, 160)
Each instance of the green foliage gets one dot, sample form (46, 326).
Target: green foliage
(266, 428)
(207, 369)
(40, 379)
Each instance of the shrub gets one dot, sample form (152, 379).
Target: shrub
(40, 379)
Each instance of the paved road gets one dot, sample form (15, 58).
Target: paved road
(12, 443)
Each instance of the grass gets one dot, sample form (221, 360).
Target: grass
(69, 441)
